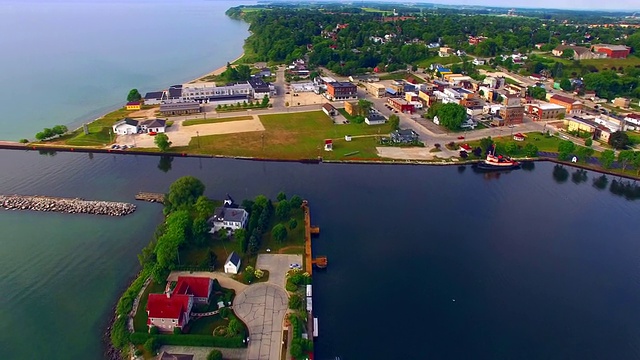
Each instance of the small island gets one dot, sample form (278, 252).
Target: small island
(209, 273)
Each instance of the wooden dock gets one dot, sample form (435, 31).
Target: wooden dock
(150, 197)
(321, 261)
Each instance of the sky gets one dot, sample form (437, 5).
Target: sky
(626, 5)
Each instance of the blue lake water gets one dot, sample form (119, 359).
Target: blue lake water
(541, 265)
(67, 62)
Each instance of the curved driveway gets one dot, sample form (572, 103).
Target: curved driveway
(262, 307)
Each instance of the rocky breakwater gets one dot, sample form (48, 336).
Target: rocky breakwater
(65, 205)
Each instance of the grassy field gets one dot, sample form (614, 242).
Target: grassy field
(214, 120)
(544, 143)
(293, 136)
(98, 130)
(295, 237)
(600, 64)
(402, 75)
(441, 60)
(140, 320)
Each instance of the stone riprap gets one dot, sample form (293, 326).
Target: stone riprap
(65, 205)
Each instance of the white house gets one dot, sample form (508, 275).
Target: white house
(375, 119)
(478, 62)
(229, 218)
(232, 265)
(153, 125)
(126, 126)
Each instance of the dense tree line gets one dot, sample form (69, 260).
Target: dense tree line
(283, 33)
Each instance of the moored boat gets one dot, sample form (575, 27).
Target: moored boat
(497, 162)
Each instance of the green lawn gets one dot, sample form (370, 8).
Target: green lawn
(206, 325)
(140, 320)
(292, 136)
(214, 120)
(294, 236)
(634, 136)
(544, 143)
(425, 63)
(600, 64)
(98, 130)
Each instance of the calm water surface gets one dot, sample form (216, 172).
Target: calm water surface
(538, 269)
(67, 62)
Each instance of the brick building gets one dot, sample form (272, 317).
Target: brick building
(341, 91)
(612, 51)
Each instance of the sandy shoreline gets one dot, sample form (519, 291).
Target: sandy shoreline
(219, 70)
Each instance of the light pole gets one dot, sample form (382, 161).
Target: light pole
(198, 137)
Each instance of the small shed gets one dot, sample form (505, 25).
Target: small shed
(232, 265)
(328, 145)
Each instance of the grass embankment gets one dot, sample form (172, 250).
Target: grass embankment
(214, 120)
(140, 320)
(292, 137)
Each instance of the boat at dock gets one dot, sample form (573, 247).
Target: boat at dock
(497, 162)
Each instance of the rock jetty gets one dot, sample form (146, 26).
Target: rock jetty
(65, 205)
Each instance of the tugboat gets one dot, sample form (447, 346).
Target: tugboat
(497, 162)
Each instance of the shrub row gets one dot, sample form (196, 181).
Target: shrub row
(119, 332)
(192, 268)
(139, 338)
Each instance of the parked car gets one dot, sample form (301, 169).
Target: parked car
(460, 137)
(294, 266)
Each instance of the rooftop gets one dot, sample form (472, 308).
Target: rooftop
(180, 106)
(234, 258)
(564, 99)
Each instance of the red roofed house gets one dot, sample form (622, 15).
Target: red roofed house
(173, 308)
(133, 105)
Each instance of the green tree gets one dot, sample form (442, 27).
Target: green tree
(59, 129)
(134, 95)
(588, 142)
(394, 121)
(636, 161)
(565, 148)
(40, 136)
(433, 110)
(530, 150)
(565, 84)
(203, 206)
(240, 234)
(486, 143)
(214, 354)
(162, 142)
(293, 223)
(625, 157)
(583, 153)
(607, 158)
(281, 196)
(283, 209)
(364, 107)
(265, 101)
(295, 202)
(452, 115)
(279, 232)
(200, 230)
(183, 193)
(619, 140)
(511, 148)
(568, 54)
(537, 92)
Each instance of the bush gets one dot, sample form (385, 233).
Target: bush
(224, 312)
(214, 355)
(588, 142)
(119, 333)
(291, 287)
(437, 146)
(293, 223)
(24, 141)
(177, 330)
(258, 274)
(139, 338)
(151, 345)
(138, 352)
(154, 330)
(249, 274)
(295, 302)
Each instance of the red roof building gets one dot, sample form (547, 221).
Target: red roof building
(173, 308)
(612, 51)
(166, 311)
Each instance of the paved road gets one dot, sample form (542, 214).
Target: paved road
(262, 307)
